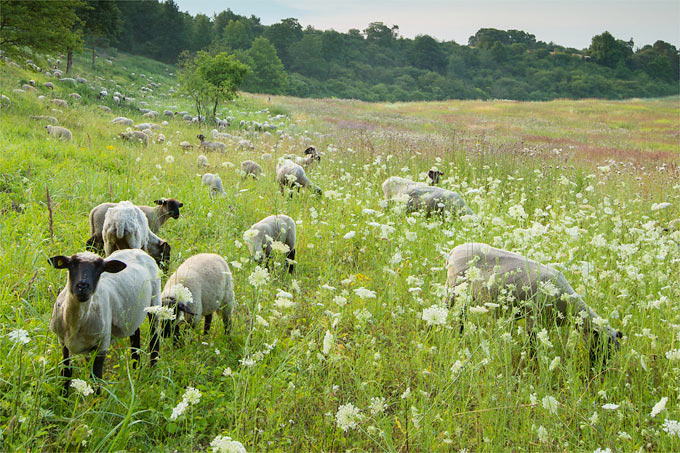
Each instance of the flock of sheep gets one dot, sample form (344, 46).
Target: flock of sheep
(110, 297)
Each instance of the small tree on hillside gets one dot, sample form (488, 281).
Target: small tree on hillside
(210, 80)
(267, 72)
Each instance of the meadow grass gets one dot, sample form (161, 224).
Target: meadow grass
(332, 368)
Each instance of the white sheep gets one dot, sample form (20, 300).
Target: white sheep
(279, 228)
(59, 102)
(49, 85)
(160, 138)
(122, 120)
(251, 168)
(103, 299)
(211, 146)
(397, 188)
(104, 108)
(202, 161)
(207, 279)
(214, 183)
(75, 96)
(135, 136)
(435, 199)
(50, 119)
(59, 132)
(168, 113)
(126, 227)
(290, 174)
(156, 216)
(534, 290)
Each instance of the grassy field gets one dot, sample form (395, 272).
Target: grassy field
(347, 361)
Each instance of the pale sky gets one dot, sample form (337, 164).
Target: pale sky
(568, 23)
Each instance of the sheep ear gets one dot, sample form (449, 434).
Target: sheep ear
(181, 306)
(160, 202)
(59, 261)
(179, 205)
(114, 266)
(619, 334)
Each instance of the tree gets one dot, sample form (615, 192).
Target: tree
(101, 22)
(427, 54)
(267, 72)
(282, 36)
(607, 50)
(210, 80)
(38, 27)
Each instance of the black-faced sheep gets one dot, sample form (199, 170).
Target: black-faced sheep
(262, 235)
(435, 199)
(208, 280)
(251, 168)
(103, 299)
(290, 174)
(533, 290)
(210, 146)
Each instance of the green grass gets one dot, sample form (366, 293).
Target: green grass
(284, 392)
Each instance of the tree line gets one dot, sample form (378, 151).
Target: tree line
(374, 64)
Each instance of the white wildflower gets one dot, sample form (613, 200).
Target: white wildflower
(178, 410)
(82, 387)
(224, 444)
(328, 341)
(377, 405)
(348, 417)
(19, 336)
(364, 293)
(350, 235)
(543, 338)
(550, 404)
(673, 354)
(169, 158)
(659, 407)
(280, 247)
(181, 294)
(340, 301)
(249, 235)
(610, 406)
(554, 363)
(259, 276)
(192, 395)
(672, 427)
(456, 367)
(435, 315)
(542, 434)
(161, 313)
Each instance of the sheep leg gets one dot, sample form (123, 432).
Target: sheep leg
(291, 256)
(66, 371)
(175, 338)
(135, 339)
(154, 343)
(98, 368)
(226, 319)
(206, 323)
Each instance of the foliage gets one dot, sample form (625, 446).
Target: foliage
(29, 27)
(210, 80)
(267, 72)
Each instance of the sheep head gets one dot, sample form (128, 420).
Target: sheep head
(84, 271)
(434, 175)
(170, 206)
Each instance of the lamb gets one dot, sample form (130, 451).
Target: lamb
(126, 227)
(136, 136)
(122, 120)
(207, 279)
(396, 188)
(156, 216)
(212, 146)
(536, 290)
(59, 102)
(202, 161)
(59, 132)
(51, 119)
(435, 199)
(288, 173)
(214, 182)
(251, 168)
(104, 298)
(279, 228)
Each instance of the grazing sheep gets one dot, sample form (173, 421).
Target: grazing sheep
(59, 132)
(67, 80)
(4, 100)
(434, 199)
(28, 87)
(208, 279)
(151, 114)
(290, 174)
(156, 216)
(211, 146)
(102, 299)
(51, 119)
(75, 96)
(222, 124)
(126, 227)
(49, 85)
(279, 228)
(186, 145)
(122, 120)
(135, 136)
(214, 182)
(102, 94)
(396, 188)
(311, 156)
(250, 168)
(59, 102)
(202, 161)
(168, 113)
(220, 136)
(538, 292)
(160, 138)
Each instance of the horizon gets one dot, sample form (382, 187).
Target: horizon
(570, 24)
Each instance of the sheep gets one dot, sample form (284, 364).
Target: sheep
(222, 124)
(435, 199)
(220, 135)
(156, 216)
(81, 80)
(104, 298)
(59, 102)
(104, 108)
(51, 119)
(126, 227)
(4, 100)
(75, 96)
(122, 120)
(288, 173)
(186, 145)
(396, 188)
(49, 85)
(102, 94)
(208, 280)
(116, 99)
(279, 228)
(535, 289)
(160, 138)
(202, 161)
(214, 182)
(151, 114)
(59, 132)
(168, 113)
(213, 146)
(136, 136)
(68, 80)
(28, 87)
(250, 168)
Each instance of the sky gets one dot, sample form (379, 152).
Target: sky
(568, 23)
